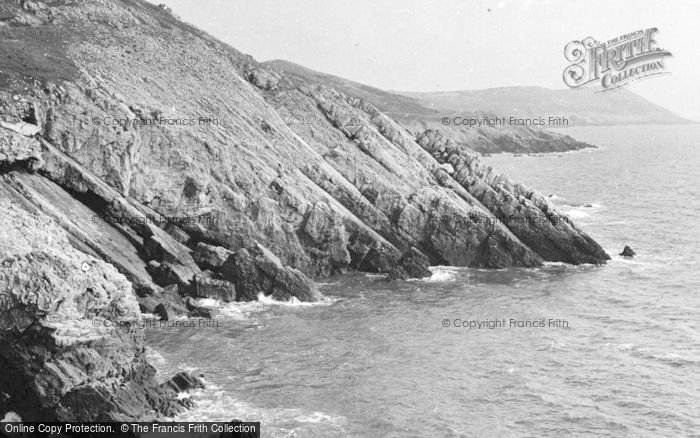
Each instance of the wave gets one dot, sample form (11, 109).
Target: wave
(218, 405)
(441, 274)
(294, 302)
(241, 310)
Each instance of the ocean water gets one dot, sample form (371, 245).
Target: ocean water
(620, 356)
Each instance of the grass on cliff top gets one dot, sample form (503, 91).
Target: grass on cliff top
(34, 53)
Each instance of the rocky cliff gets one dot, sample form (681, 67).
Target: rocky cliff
(420, 115)
(145, 164)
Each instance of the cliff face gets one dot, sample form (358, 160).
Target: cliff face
(252, 181)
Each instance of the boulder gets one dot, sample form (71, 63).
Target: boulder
(168, 311)
(241, 270)
(291, 282)
(210, 256)
(377, 259)
(184, 381)
(176, 262)
(258, 270)
(207, 287)
(628, 252)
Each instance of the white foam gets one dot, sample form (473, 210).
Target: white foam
(577, 213)
(220, 406)
(241, 310)
(441, 274)
(155, 358)
(293, 302)
(556, 264)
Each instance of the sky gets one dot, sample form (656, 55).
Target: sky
(434, 45)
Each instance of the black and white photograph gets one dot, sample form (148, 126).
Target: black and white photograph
(349, 218)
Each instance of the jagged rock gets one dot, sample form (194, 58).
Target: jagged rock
(258, 271)
(177, 233)
(528, 215)
(210, 256)
(628, 252)
(206, 287)
(67, 344)
(330, 237)
(166, 305)
(184, 381)
(241, 270)
(175, 259)
(291, 282)
(168, 311)
(412, 264)
(377, 259)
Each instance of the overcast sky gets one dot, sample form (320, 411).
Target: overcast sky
(432, 45)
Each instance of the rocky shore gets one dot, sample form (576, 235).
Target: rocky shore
(145, 165)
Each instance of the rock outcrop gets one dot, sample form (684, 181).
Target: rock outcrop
(69, 347)
(412, 264)
(175, 167)
(420, 115)
(628, 252)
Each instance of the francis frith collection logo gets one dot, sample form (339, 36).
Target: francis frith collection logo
(616, 62)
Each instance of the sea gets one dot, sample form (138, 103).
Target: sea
(604, 351)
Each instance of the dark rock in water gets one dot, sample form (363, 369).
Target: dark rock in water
(397, 273)
(588, 206)
(206, 287)
(290, 282)
(240, 269)
(168, 311)
(412, 264)
(415, 263)
(628, 252)
(378, 259)
(184, 381)
(169, 305)
(257, 270)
